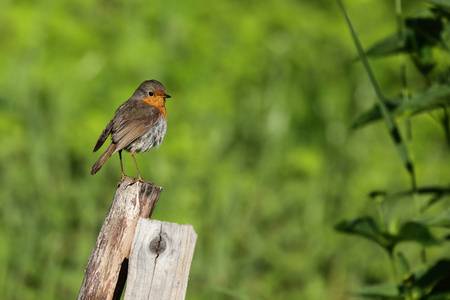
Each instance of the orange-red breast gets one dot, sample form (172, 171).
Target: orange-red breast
(138, 125)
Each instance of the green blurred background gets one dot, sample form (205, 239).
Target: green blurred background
(258, 155)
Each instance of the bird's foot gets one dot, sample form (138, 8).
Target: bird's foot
(123, 178)
(139, 179)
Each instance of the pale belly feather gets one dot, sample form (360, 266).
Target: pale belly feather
(152, 138)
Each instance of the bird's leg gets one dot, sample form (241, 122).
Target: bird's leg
(121, 164)
(121, 167)
(137, 169)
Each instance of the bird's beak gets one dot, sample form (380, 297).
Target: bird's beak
(166, 96)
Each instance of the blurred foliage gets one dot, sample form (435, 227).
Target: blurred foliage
(258, 157)
(416, 37)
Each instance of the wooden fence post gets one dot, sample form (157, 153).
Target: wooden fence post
(161, 252)
(112, 248)
(160, 260)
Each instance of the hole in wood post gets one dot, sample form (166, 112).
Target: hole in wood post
(158, 245)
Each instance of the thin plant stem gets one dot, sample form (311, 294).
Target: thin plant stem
(380, 214)
(381, 102)
(405, 97)
(405, 90)
(401, 43)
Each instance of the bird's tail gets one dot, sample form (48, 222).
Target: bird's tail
(105, 155)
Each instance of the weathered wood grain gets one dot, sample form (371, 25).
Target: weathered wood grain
(160, 260)
(113, 244)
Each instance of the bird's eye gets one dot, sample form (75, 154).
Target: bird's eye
(150, 94)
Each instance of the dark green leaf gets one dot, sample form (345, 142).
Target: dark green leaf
(435, 274)
(390, 45)
(416, 232)
(374, 113)
(444, 4)
(422, 32)
(435, 192)
(434, 97)
(438, 194)
(423, 60)
(368, 228)
(442, 220)
(441, 290)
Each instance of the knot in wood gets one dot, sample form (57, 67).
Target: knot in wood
(158, 245)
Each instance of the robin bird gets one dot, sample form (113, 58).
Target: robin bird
(138, 125)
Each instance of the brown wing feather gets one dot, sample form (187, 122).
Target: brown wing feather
(128, 129)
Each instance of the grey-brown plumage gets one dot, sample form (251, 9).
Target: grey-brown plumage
(139, 124)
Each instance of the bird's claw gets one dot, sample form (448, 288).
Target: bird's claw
(123, 178)
(139, 179)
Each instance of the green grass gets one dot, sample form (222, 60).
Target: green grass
(258, 156)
